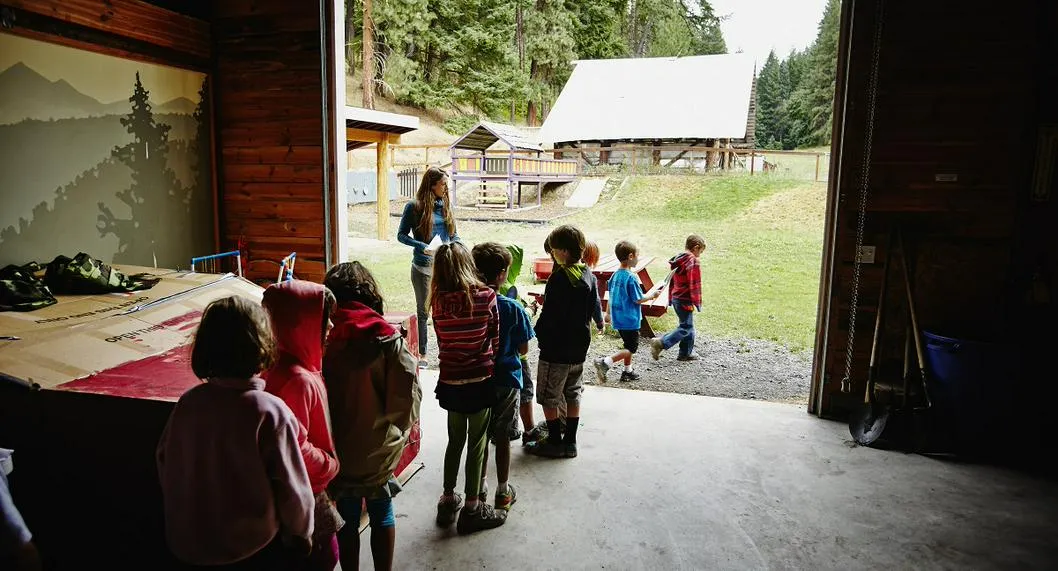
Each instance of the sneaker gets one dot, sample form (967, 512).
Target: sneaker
(600, 369)
(627, 376)
(447, 508)
(656, 348)
(571, 450)
(505, 501)
(691, 357)
(423, 364)
(534, 434)
(546, 448)
(485, 517)
(513, 434)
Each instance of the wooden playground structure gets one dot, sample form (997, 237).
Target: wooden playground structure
(500, 175)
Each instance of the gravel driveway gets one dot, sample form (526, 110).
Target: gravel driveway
(744, 369)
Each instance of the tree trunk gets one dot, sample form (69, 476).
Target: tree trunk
(369, 57)
(350, 33)
(531, 110)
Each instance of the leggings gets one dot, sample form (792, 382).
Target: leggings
(460, 426)
(420, 284)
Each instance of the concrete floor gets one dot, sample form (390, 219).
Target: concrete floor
(668, 481)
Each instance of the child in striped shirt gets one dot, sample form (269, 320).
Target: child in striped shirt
(466, 320)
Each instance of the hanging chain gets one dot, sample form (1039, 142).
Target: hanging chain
(868, 139)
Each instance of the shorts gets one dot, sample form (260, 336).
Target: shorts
(631, 339)
(559, 383)
(379, 512)
(527, 393)
(502, 414)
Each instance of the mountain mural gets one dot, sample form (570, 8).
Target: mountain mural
(26, 94)
(127, 181)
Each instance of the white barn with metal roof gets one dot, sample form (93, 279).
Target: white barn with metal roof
(654, 99)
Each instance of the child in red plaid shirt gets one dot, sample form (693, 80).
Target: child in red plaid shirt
(685, 295)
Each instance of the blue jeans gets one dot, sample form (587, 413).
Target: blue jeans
(379, 512)
(684, 334)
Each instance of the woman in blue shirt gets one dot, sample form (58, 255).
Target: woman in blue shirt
(429, 215)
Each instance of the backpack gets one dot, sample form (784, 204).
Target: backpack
(86, 275)
(22, 290)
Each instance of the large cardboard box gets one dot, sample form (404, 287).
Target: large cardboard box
(85, 392)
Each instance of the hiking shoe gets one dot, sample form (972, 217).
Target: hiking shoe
(535, 434)
(691, 357)
(447, 508)
(485, 517)
(600, 369)
(628, 376)
(571, 450)
(505, 501)
(656, 348)
(546, 448)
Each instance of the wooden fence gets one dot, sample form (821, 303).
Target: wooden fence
(646, 160)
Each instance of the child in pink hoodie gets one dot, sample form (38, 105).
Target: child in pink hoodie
(234, 486)
(300, 313)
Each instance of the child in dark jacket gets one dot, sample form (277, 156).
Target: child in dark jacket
(563, 331)
(373, 387)
(685, 295)
(300, 313)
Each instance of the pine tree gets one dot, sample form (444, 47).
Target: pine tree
(154, 233)
(769, 101)
(597, 28)
(814, 100)
(549, 47)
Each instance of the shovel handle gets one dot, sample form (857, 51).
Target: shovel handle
(915, 334)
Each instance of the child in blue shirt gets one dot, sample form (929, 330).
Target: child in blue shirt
(626, 297)
(493, 261)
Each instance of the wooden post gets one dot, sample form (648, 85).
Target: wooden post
(427, 160)
(752, 161)
(382, 163)
(817, 167)
(635, 158)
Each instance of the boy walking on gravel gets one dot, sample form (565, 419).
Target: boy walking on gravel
(685, 295)
(626, 313)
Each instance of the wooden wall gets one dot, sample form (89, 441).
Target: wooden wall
(270, 86)
(958, 92)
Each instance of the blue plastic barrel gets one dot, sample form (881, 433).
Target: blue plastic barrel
(971, 385)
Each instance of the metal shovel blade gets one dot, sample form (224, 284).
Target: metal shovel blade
(868, 423)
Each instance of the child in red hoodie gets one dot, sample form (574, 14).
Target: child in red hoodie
(685, 295)
(300, 314)
(373, 385)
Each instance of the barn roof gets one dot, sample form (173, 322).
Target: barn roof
(672, 98)
(486, 133)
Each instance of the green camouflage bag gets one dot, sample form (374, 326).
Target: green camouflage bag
(22, 290)
(86, 275)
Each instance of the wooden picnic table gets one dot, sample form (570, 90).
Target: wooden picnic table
(603, 271)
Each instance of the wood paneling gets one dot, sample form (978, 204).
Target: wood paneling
(270, 85)
(957, 96)
(128, 18)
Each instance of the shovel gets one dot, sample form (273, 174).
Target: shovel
(867, 423)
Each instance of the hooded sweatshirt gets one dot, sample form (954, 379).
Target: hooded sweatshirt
(571, 303)
(296, 311)
(373, 386)
(231, 473)
(687, 281)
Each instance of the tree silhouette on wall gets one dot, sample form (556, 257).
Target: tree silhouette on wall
(156, 233)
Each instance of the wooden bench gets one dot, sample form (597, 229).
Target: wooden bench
(603, 271)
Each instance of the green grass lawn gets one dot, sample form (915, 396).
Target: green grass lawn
(759, 275)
